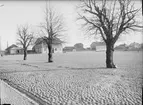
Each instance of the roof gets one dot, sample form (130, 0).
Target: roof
(69, 48)
(16, 48)
(55, 41)
(12, 46)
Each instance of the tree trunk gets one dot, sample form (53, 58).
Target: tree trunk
(109, 55)
(50, 58)
(25, 54)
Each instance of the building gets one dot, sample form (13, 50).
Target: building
(98, 46)
(69, 49)
(29, 49)
(93, 46)
(134, 46)
(13, 49)
(41, 47)
(122, 47)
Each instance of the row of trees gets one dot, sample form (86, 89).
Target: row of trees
(51, 28)
(109, 19)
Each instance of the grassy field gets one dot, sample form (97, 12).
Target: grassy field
(78, 78)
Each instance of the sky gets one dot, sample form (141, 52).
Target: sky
(15, 13)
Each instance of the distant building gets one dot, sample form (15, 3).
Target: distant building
(13, 49)
(68, 49)
(41, 47)
(134, 46)
(88, 49)
(93, 46)
(98, 46)
(122, 47)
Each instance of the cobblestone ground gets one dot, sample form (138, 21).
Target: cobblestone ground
(80, 86)
(9, 96)
(88, 87)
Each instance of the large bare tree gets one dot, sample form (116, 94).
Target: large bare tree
(52, 28)
(24, 38)
(109, 19)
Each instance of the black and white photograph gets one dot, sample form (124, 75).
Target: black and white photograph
(71, 52)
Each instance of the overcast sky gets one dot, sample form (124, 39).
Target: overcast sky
(15, 13)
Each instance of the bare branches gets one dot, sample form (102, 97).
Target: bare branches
(24, 37)
(53, 24)
(110, 18)
(97, 18)
(126, 20)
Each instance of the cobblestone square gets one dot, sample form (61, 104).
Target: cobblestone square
(77, 79)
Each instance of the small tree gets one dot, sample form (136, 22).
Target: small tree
(110, 19)
(78, 46)
(24, 38)
(52, 28)
(93, 46)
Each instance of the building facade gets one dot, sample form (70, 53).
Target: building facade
(69, 49)
(41, 47)
(13, 49)
(98, 46)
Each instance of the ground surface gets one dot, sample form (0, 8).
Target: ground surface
(10, 96)
(78, 78)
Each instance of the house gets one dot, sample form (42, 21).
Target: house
(41, 47)
(76, 47)
(13, 49)
(134, 46)
(122, 47)
(29, 49)
(68, 49)
(93, 46)
(100, 46)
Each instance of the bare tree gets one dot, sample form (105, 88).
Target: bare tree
(110, 19)
(24, 38)
(52, 27)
